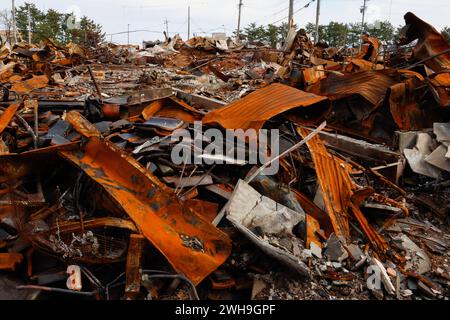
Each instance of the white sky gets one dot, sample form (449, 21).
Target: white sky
(218, 15)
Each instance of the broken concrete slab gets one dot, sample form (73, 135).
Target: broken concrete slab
(334, 249)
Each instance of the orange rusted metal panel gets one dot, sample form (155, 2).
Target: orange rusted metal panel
(430, 42)
(312, 229)
(150, 110)
(343, 196)
(404, 108)
(8, 261)
(311, 209)
(171, 108)
(335, 182)
(193, 246)
(258, 107)
(27, 86)
(7, 116)
(440, 87)
(205, 209)
(371, 85)
(134, 266)
(82, 125)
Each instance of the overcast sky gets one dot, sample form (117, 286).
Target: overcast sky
(218, 15)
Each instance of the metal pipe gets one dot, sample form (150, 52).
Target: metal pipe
(50, 289)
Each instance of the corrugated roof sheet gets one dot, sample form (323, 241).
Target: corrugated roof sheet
(255, 109)
(371, 85)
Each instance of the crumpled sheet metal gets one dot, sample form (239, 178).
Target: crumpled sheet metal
(82, 125)
(371, 85)
(430, 42)
(404, 108)
(27, 86)
(193, 246)
(440, 87)
(254, 110)
(335, 182)
(356, 64)
(342, 195)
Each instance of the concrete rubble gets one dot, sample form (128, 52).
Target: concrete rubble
(94, 205)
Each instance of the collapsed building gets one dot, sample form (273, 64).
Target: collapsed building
(92, 203)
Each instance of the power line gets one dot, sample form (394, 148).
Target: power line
(295, 12)
(276, 13)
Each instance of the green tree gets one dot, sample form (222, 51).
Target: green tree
(51, 27)
(354, 34)
(54, 25)
(336, 34)
(272, 35)
(36, 15)
(254, 33)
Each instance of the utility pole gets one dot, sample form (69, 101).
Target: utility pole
(239, 20)
(189, 22)
(128, 33)
(167, 26)
(29, 24)
(317, 21)
(363, 11)
(14, 22)
(291, 14)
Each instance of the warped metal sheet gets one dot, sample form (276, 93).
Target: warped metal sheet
(342, 195)
(404, 108)
(258, 107)
(431, 42)
(371, 85)
(193, 246)
(335, 182)
(27, 86)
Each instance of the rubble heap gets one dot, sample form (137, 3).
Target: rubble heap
(93, 203)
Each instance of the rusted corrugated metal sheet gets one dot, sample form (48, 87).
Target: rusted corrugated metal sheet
(258, 107)
(193, 246)
(371, 85)
(335, 182)
(343, 196)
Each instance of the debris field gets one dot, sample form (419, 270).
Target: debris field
(94, 206)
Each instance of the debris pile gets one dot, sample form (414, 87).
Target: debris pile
(147, 174)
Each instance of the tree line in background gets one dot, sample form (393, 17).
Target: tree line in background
(336, 34)
(60, 27)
